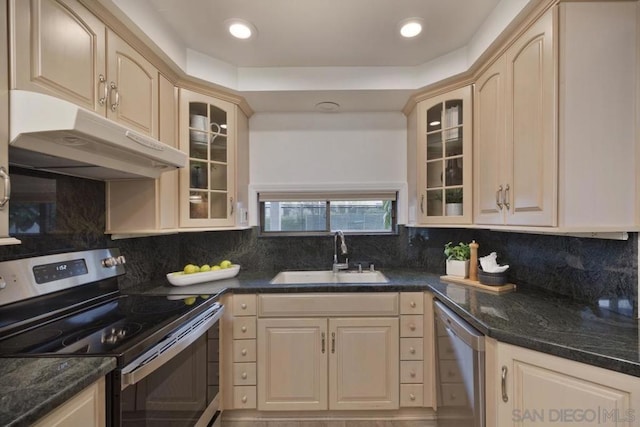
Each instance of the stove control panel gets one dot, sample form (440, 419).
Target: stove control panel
(113, 261)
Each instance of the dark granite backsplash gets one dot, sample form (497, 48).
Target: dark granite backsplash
(603, 272)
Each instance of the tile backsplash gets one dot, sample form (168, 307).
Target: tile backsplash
(601, 272)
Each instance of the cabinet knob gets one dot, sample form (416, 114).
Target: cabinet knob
(412, 326)
(412, 350)
(243, 306)
(412, 396)
(412, 304)
(452, 397)
(412, 374)
(451, 374)
(244, 375)
(244, 399)
(243, 329)
(243, 352)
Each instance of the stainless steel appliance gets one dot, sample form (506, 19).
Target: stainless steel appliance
(460, 371)
(165, 347)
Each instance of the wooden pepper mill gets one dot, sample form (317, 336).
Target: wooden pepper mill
(473, 261)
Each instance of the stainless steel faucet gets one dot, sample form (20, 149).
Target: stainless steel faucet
(343, 251)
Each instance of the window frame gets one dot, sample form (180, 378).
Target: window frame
(328, 197)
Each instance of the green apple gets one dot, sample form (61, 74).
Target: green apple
(225, 264)
(215, 267)
(205, 267)
(190, 300)
(190, 268)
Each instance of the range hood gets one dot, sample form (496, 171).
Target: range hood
(54, 135)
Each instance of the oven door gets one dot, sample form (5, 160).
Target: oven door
(176, 383)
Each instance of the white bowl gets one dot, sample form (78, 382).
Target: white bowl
(178, 278)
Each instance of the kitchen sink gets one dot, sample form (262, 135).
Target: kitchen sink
(327, 276)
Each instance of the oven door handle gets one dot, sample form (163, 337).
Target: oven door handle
(170, 346)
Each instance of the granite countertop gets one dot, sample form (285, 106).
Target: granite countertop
(33, 387)
(528, 317)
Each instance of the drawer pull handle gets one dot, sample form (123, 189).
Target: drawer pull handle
(412, 350)
(243, 329)
(244, 352)
(243, 306)
(412, 304)
(412, 396)
(506, 197)
(333, 342)
(499, 197)
(503, 378)
(322, 335)
(102, 81)
(244, 399)
(244, 375)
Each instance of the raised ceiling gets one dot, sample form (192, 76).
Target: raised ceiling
(307, 51)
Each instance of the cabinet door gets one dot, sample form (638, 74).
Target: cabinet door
(292, 364)
(133, 87)
(207, 185)
(488, 153)
(541, 389)
(86, 409)
(531, 138)
(58, 49)
(4, 128)
(444, 158)
(364, 363)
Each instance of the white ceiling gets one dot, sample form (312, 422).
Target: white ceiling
(307, 51)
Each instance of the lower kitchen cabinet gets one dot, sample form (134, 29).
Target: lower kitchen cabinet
(320, 363)
(526, 387)
(86, 409)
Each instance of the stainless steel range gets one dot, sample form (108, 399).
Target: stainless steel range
(165, 348)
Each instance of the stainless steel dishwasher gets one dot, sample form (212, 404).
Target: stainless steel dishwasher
(460, 371)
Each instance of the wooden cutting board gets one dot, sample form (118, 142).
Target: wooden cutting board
(508, 287)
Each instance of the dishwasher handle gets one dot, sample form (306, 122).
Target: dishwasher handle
(459, 327)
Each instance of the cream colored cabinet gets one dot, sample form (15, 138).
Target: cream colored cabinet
(243, 366)
(515, 145)
(86, 409)
(149, 205)
(525, 387)
(213, 134)
(59, 48)
(444, 158)
(336, 364)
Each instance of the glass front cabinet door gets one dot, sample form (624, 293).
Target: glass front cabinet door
(444, 158)
(207, 184)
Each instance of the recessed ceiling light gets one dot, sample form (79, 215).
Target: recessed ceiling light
(411, 27)
(241, 29)
(327, 106)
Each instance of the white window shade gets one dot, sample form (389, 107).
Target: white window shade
(313, 196)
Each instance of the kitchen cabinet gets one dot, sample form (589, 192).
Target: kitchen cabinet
(319, 363)
(87, 408)
(444, 158)
(515, 144)
(149, 205)
(61, 49)
(525, 387)
(244, 352)
(213, 132)
(543, 111)
(5, 239)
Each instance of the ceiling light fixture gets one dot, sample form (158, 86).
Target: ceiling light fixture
(411, 27)
(327, 106)
(241, 29)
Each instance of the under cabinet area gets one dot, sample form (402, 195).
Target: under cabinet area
(328, 355)
(526, 387)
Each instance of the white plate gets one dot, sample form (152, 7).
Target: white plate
(180, 279)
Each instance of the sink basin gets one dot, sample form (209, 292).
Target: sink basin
(327, 276)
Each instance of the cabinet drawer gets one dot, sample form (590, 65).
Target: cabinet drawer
(244, 305)
(411, 349)
(411, 325)
(449, 372)
(410, 395)
(328, 305)
(244, 373)
(244, 328)
(411, 371)
(445, 351)
(244, 397)
(244, 350)
(412, 303)
(453, 395)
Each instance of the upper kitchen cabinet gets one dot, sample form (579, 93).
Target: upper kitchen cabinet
(214, 134)
(444, 162)
(515, 144)
(61, 49)
(555, 134)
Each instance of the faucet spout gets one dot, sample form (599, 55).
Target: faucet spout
(343, 252)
